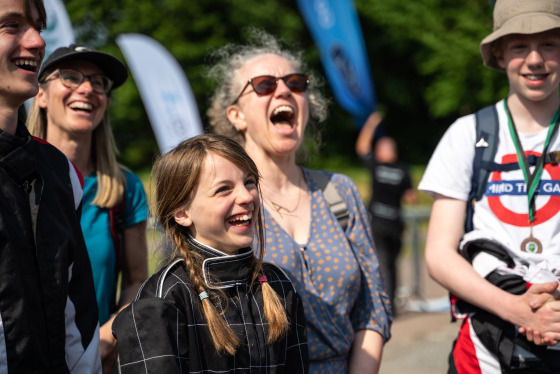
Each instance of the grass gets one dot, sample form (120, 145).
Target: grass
(360, 175)
(412, 240)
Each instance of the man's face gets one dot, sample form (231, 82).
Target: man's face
(21, 52)
(532, 64)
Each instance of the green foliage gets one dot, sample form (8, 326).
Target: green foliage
(424, 58)
(427, 66)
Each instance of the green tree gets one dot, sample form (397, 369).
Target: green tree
(423, 55)
(427, 66)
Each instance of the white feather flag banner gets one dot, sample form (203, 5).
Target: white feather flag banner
(59, 31)
(164, 89)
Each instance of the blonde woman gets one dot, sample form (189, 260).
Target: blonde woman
(71, 112)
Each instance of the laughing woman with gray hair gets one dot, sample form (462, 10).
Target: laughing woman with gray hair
(265, 100)
(507, 267)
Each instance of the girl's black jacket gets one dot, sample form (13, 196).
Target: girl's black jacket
(164, 330)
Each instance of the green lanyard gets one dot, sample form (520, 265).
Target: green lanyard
(532, 180)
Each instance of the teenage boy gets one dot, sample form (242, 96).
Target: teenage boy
(48, 313)
(510, 262)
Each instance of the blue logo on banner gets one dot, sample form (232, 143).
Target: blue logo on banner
(337, 33)
(172, 102)
(346, 69)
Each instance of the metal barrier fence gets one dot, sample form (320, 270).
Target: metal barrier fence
(413, 216)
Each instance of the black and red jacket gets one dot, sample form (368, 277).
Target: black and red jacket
(48, 309)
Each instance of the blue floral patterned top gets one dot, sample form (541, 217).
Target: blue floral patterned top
(337, 276)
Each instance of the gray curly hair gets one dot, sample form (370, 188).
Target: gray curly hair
(231, 58)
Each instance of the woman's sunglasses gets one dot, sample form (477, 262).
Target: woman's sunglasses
(266, 84)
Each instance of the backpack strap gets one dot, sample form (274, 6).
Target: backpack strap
(487, 126)
(335, 201)
(116, 221)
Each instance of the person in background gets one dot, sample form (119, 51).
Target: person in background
(391, 184)
(507, 266)
(71, 111)
(48, 313)
(216, 308)
(265, 100)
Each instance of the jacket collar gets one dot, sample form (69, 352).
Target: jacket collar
(17, 155)
(221, 270)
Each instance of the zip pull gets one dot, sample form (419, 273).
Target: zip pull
(26, 189)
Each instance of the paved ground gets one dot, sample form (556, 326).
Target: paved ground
(421, 340)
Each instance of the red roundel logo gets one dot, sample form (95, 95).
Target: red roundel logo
(543, 214)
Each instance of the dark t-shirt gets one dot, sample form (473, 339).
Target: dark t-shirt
(389, 183)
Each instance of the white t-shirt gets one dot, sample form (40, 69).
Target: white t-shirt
(502, 213)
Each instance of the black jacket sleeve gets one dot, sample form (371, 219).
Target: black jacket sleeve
(151, 334)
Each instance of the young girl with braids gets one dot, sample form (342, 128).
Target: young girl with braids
(216, 307)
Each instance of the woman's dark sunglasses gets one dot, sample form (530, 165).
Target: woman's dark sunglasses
(266, 84)
(73, 79)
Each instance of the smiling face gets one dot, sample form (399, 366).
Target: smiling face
(224, 206)
(22, 50)
(532, 64)
(272, 124)
(72, 111)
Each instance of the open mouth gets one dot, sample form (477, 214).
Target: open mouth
(25, 64)
(241, 220)
(283, 115)
(535, 77)
(81, 106)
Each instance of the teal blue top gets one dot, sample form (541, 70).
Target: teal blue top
(99, 242)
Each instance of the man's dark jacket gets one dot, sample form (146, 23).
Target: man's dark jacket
(47, 299)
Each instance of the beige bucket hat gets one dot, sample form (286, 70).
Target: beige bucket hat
(519, 17)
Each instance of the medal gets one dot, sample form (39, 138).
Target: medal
(532, 180)
(531, 244)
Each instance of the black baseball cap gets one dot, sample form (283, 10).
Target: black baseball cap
(112, 67)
